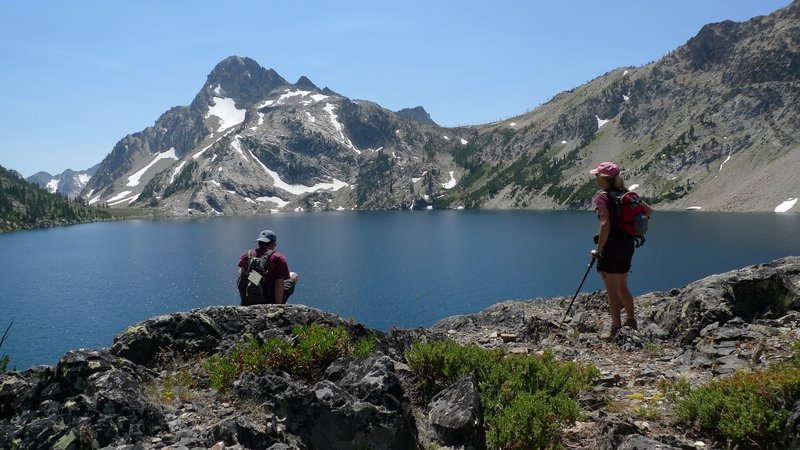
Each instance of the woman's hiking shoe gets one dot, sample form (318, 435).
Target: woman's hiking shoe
(631, 323)
(611, 334)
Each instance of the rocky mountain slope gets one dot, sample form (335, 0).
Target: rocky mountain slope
(253, 142)
(150, 389)
(68, 183)
(712, 125)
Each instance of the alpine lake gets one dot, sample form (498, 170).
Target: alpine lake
(79, 286)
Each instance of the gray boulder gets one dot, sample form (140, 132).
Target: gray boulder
(360, 404)
(218, 328)
(755, 292)
(239, 431)
(92, 399)
(328, 416)
(456, 415)
(372, 380)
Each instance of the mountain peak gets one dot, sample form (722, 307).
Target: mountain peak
(417, 114)
(234, 67)
(712, 44)
(236, 61)
(242, 79)
(305, 84)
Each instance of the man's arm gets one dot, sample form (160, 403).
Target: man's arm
(243, 260)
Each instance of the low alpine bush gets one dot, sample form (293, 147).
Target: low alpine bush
(527, 399)
(749, 408)
(5, 360)
(313, 348)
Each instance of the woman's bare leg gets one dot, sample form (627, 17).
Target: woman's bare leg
(614, 302)
(625, 296)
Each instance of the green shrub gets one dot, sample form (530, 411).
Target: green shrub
(747, 408)
(5, 359)
(530, 420)
(307, 355)
(527, 400)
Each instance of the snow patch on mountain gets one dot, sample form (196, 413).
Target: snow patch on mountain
(297, 189)
(450, 184)
(331, 108)
(122, 197)
(52, 186)
(133, 180)
(225, 110)
(176, 171)
(414, 180)
(276, 200)
(122, 194)
(786, 206)
(288, 94)
(237, 146)
(723, 162)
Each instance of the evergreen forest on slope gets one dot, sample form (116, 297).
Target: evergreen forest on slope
(25, 206)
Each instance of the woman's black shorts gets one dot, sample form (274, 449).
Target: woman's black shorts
(617, 256)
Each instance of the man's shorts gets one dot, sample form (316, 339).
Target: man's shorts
(288, 289)
(617, 257)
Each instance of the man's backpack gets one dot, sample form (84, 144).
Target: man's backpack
(252, 281)
(631, 215)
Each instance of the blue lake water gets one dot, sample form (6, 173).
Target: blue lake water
(79, 286)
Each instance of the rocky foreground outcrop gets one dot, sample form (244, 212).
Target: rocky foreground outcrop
(117, 397)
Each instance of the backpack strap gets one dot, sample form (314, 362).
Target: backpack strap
(615, 197)
(265, 258)
(251, 257)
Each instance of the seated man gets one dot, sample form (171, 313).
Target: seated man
(279, 282)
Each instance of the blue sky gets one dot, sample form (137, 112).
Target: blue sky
(78, 76)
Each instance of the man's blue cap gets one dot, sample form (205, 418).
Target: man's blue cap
(267, 236)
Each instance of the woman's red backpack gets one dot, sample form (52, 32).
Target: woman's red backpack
(631, 214)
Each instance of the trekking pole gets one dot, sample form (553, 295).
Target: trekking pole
(591, 263)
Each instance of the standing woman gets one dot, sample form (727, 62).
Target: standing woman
(614, 250)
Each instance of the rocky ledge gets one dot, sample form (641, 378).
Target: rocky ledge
(744, 319)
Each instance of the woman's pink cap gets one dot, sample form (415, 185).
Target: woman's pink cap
(608, 169)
